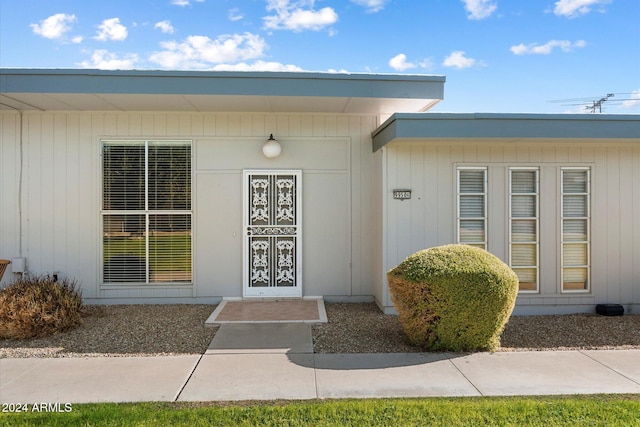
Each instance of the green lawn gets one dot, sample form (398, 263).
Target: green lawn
(610, 410)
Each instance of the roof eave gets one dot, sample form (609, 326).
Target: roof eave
(413, 92)
(448, 126)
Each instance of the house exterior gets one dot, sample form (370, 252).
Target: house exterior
(554, 196)
(184, 187)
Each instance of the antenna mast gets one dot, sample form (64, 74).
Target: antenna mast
(598, 104)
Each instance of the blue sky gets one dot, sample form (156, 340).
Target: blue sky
(497, 55)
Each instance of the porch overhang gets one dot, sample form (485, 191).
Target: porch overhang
(510, 128)
(198, 91)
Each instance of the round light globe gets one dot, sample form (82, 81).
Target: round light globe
(271, 148)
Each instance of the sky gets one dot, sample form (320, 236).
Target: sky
(506, 56)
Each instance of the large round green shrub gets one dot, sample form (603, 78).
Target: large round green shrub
(37, 306)
(454, 297)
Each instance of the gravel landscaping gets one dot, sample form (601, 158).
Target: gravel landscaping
(124, 330)
(144, 330)
(362, 328)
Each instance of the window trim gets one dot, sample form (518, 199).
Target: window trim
(147, 284)
(510, 242)
(561, 240)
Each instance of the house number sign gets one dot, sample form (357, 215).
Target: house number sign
(401, 194)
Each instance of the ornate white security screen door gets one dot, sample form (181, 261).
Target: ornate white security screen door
(272, 233)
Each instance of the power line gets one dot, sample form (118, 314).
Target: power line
(594, 103)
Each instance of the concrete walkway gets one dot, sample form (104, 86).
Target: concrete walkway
(276, 361)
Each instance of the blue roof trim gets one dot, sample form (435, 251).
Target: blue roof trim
(412, 126)
(221, 83)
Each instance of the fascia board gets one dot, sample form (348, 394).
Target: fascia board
(221, 83)
(412, 126)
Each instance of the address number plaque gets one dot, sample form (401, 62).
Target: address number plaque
(402, 194)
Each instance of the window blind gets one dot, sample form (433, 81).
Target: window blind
(146, 211)
(523, 240)
(574, 181)
(575, 229)
(169, 177)
(523, 230)
(524, 255)
(472, 181)
(123, 181)
(524, 181)
(472, 202)
(471, 206)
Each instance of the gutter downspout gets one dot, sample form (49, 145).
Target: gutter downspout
(20, 179)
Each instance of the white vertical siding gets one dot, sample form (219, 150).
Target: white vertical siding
(9, 183)
(377, 231)
(634, 232)
(59, 193)
(549, 226)
(428, 218)
(62, 224)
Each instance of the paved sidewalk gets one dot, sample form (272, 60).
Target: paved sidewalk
(276, 361)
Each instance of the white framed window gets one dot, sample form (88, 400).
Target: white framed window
(524, 231)
(146, 212)
(472, 206)
(575, 239)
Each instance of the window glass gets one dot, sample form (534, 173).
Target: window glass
(472, 206)
(169, 177)
(146, 212)
(123, 177)
(523, 218)
(575, 229)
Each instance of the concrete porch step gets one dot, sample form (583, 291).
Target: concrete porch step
(299, 310)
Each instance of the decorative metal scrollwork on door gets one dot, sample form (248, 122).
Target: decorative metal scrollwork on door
(272, 232)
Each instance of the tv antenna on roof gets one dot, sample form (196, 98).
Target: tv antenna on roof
(598, 104)
(592, 103)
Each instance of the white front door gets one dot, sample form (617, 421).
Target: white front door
(272, 233)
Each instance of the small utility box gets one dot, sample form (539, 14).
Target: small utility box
(610, 309)
(19, 265)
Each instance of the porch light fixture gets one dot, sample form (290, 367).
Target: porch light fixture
(271, 148)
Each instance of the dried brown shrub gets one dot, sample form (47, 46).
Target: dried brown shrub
(37, 306)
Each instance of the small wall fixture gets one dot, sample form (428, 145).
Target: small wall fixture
(271, 147)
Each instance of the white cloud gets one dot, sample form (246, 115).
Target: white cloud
(371, 5)
(111, 29)
(235, 14)
(257, 66)
(545, 49)
(104, 60)
(54, 26)
(184, 2)
(458, 59)
(197, 52)
(479, 9)
(77, 39)
(165, 26)
(574, 8)
(633, 101)
(298, 15)
(427, 64)
(399, 63)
